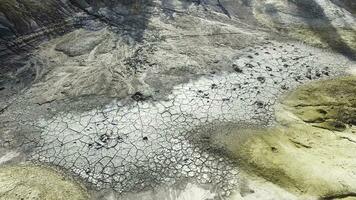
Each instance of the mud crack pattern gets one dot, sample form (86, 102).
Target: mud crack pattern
(136, 145)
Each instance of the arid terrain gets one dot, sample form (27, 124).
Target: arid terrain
(177, 100)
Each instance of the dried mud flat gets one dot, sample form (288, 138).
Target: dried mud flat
(197, 103)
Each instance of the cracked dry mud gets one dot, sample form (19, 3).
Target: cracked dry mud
(140, 144)
(178, 100)
(137, 144)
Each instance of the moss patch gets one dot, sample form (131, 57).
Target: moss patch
(37, 183)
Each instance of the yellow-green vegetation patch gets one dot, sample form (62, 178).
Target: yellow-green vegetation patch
(29, 182)
(329, 104)
(300, 158)
(322, 37)
(338, 91)
(312, 151)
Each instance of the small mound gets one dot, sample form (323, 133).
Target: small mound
(37, 183)
(311, 150)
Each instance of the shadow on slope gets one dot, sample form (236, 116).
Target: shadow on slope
(324, 29)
